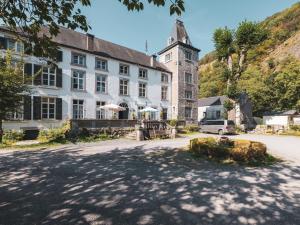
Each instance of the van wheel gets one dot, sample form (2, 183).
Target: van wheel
(221, 132)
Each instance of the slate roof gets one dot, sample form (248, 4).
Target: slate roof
(77, 40)
(216, 100)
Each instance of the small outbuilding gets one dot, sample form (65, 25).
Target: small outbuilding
(284, 119)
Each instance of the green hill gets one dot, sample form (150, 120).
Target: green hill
(272, 79)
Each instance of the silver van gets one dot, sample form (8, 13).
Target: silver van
(217, 126)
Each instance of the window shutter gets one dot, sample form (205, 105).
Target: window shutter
(37, 107)
(59, 109)
(27, 108)
(28, 73)
(37, 75)
(59, 57)
(58, 77)
(3, 44)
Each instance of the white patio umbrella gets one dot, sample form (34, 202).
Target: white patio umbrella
(148, 110)
(112, 107)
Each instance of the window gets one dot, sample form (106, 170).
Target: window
(188, 94)
(101, 83)
(143, 73)
(48, 108)
(164, 113)
(100, 113)
(218, 114)
(188, 78)
(78, 80)
(188, 112)
(164, 78)
(49, 76)
(124, 69)
(168, 57)
(78, 59)
(164, 93)
(140, 114)
(78, 109)
(16, 114)
(188, 55)
(101, 64)
(142, 90)
(124, 87)
(16, 46)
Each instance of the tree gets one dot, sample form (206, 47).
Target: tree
(12, 88)
(27, 19)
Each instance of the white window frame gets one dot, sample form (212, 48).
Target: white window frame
(99, 82)
(103, 64)
(79, 72)
(164, 97)
(164, 78)
(100, 113)
(46, 101)
(122, 70)
(187, 81)
(48, 73)
(188, 55)
(127, 87)
(142, 88)
(143, 73)
(15, 45)
(140, 114)
(168, 57)
(80, 60)
(188, 94)
(79, 108)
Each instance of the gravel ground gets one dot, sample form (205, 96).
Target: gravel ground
(129, 182)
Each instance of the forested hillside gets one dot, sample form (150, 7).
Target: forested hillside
(272, 75)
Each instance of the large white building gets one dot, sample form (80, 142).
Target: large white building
(92, 72)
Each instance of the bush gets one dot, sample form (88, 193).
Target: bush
(12, 136)
(173, 123)
(241, 151)
(51, 135)
(295, 127)
(191, 128)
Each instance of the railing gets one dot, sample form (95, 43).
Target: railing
(154, 125)
(96, 124)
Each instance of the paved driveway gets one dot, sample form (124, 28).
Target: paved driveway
(128, 182)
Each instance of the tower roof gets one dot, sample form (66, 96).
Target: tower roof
(179, 33)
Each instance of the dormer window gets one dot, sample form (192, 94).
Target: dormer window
(170, 40)
(78, 59)
(188, 55)
(124, 69)
(168, 57)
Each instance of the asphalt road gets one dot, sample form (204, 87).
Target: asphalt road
(129, 182)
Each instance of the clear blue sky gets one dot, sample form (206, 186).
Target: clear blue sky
(111, 21)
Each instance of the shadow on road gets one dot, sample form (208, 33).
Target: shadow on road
(132, 186)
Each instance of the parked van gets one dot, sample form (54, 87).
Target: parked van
(218, 126)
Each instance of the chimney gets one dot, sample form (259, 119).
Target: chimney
(153, 60)
(90, 42)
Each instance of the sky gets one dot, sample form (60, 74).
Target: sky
(111, 21)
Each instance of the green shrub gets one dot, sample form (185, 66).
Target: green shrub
(52, 135)
(191, 128)
(12, 136)
(295, 127)
(241, 151)
(173, 123)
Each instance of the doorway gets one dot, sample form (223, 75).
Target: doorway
(123, 115)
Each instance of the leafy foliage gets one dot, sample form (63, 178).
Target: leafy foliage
(28, 18)
(12, 136)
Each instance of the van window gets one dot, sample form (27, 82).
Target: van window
(215, 122)
(230, 122)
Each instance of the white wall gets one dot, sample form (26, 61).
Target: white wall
(209, 110)
(276, 120)
(90, 96)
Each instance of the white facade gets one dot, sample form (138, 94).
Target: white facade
(283, 120)
(153, 88)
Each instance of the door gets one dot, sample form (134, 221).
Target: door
(123, 115)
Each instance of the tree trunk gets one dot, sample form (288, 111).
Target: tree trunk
(230, 68)
(1, 131)
(242, 58)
